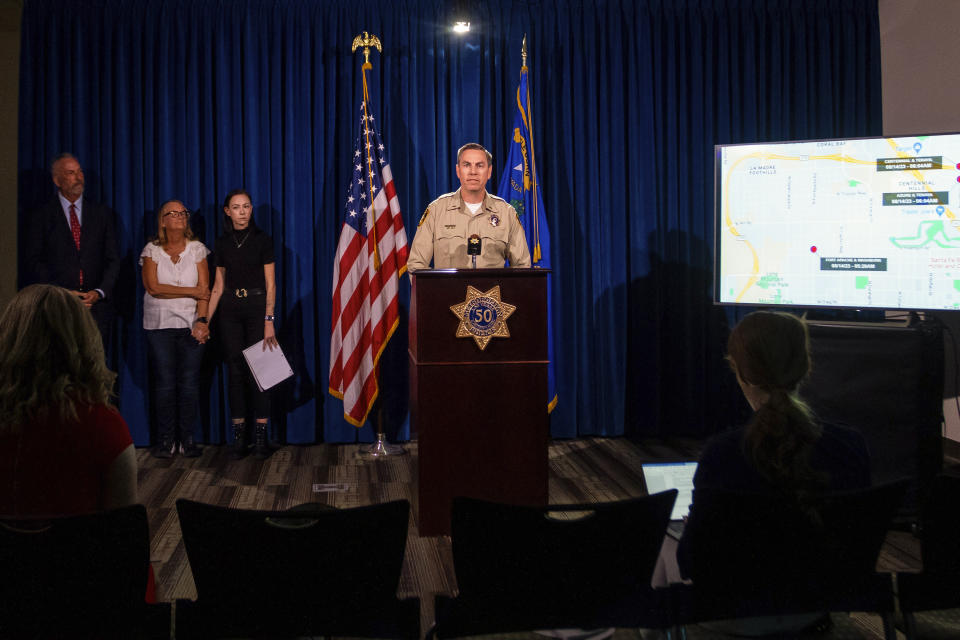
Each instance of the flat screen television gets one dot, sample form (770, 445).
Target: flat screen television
(854, 223)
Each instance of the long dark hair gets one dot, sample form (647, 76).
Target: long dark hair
(228, 223)
(771, 351)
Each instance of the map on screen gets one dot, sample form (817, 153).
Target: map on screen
(856, 223)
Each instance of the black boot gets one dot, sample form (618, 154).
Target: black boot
(165, 448)
(189, 448)
(261, 449)
(239, 448)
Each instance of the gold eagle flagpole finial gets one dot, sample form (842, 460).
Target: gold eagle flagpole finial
(366, 41)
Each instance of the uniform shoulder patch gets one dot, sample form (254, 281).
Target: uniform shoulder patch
(424, 217)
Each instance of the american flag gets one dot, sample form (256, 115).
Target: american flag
(371, 257)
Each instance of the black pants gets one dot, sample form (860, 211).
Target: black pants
(241, 325)
(104, 314)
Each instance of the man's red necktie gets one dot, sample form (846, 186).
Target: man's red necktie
(75, 230)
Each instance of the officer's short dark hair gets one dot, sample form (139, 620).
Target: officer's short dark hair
(478, 147)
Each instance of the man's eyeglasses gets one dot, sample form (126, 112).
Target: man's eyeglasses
(177, 214)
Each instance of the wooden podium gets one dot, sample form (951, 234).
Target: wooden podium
(480, 416)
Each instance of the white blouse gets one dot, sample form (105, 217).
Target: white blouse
(172, 313)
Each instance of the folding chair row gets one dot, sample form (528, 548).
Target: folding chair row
(589, 566)
(336, 572)
(313, 570)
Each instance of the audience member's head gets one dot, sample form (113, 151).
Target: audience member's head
(770, 355)
(51, 357)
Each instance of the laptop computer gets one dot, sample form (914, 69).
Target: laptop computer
(662, 476)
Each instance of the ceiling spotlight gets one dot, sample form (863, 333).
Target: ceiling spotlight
(461, 27)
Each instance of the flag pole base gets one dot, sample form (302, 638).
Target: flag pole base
(382, 449)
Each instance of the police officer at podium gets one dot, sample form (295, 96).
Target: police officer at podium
(469, 228)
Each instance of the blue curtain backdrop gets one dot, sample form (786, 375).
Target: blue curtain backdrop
(189, 98)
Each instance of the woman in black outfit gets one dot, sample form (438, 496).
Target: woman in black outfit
(245, 287)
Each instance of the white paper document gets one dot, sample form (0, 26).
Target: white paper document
(328, 487)
(268, 367)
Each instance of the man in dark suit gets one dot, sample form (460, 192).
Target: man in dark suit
(72, 242)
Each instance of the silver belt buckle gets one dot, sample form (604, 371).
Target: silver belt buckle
(240, 293)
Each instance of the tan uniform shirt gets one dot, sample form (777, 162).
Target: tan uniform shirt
(447, 223)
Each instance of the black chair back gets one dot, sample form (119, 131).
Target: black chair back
(74, 576)
(521, 568)
(302, 572)
(938, 586)
(761, 554)
(940, 520)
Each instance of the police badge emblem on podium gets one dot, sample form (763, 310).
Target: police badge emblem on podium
(483, 316)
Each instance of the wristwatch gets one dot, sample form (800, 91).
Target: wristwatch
(202, 319)
(268, 318)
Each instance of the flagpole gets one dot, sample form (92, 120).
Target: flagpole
(525, 116)
(537, 255)
(380, 448)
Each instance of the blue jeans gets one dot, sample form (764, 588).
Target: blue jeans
(175, 360)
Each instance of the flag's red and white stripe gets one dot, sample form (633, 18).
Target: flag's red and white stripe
(366, 310)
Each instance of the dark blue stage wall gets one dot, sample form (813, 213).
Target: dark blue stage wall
(189, 98)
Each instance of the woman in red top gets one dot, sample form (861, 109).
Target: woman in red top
(63, 449)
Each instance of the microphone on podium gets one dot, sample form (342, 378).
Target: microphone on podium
(473, 248)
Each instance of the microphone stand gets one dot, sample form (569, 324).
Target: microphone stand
(473, 248)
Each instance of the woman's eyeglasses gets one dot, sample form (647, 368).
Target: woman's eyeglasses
(177, 214)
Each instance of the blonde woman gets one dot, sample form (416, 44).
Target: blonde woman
(64, 449)
(176, 282)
